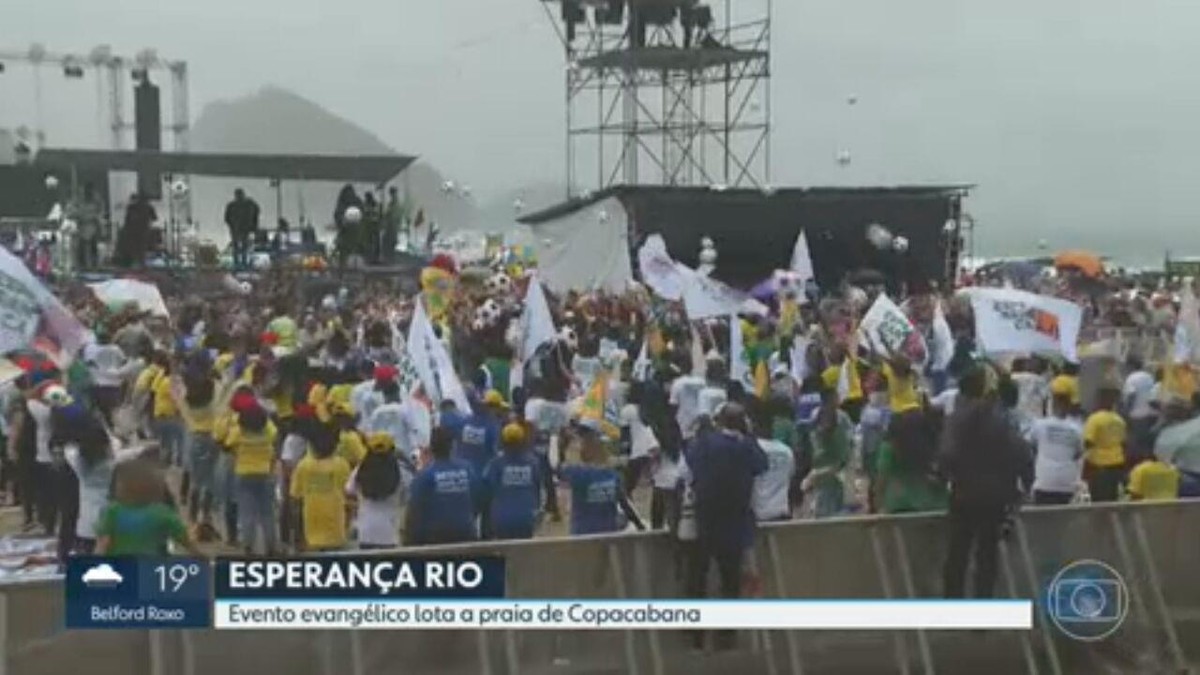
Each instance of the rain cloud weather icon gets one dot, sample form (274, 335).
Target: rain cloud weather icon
(102, 576)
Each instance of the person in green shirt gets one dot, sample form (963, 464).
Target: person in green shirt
(904, 480)
(831, 438)
(138, 522)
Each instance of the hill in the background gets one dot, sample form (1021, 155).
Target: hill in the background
(275, 120)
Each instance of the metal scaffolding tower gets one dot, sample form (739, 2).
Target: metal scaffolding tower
(675, 92)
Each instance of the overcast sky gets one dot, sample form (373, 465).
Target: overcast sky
(1076, 118)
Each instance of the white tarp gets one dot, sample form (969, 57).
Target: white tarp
(586, 250)
(131, 292)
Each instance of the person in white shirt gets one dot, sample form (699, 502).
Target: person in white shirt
(643, 444)
(771, 487)
(548, 419)
(109, 369)
(381, 484)
(945, 401)
(714, 394)
(365, 397)
(1033, 391)
(1137, 397)
(1058, 463)
(92, 461)
(406, 421)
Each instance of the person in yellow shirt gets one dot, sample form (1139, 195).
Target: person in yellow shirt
(319, 483)
(350, 445)
(252, 442)
(143, 398)
(198, 409)
(1067, 381)
(1104, 448)
(901, 385)
(167, 425)
(224, 423)
(1154, 480)
(1179, 381)
(854, 399)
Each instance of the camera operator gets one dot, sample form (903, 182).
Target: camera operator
(984, 457)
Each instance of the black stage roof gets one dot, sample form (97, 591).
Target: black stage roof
(754, 230)
(374, 169)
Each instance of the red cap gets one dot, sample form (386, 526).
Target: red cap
(243, 402)
(385, 373)
(304, 411)
(270, 339)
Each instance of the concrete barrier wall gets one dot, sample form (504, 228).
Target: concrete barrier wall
(1154, 546)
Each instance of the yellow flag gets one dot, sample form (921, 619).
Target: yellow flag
(789, 312)
(595, 404)
(762, 380)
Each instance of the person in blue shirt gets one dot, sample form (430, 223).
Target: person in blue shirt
(512, 485)
(444, 499)
(596, 494)
(450, 418)
(480, 433)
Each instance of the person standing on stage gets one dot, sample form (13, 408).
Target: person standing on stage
(135, 235)
(241, 216)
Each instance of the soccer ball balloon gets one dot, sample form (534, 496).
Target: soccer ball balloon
(488, 313)
(179, 189)
(879, 236)
(900, 244)
(568, 337)
(498, 284)
(353, 215)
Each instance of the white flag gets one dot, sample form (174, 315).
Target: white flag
(1010, 321)
(739, 367)
(799, 358)
(537, 325)
(801, 261)
(432, 361)
(643, 366)
(31, 316)
(1187, 326)
(943, 339)
(660, 272)
(118, 292)
(698, 360)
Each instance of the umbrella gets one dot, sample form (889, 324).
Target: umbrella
(765, 290)
(1085, 262)
(1179, 445)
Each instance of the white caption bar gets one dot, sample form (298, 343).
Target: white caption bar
(620, 614)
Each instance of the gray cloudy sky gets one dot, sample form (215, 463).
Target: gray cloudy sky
(1077, 118)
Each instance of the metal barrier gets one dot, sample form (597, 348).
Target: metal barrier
(1153, 545)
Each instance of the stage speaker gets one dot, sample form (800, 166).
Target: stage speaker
(148, 133)
(658, 15)
(613, 13)
(572, 14)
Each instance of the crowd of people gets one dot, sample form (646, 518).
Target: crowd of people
(287, 426)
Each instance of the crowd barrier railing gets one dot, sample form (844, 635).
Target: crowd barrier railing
(1153, 546)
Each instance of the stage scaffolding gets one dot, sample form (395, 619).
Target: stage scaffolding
(655, 97)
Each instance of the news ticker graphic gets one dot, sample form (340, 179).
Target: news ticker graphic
(356, 592)
(138, 593)
(366, 614)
